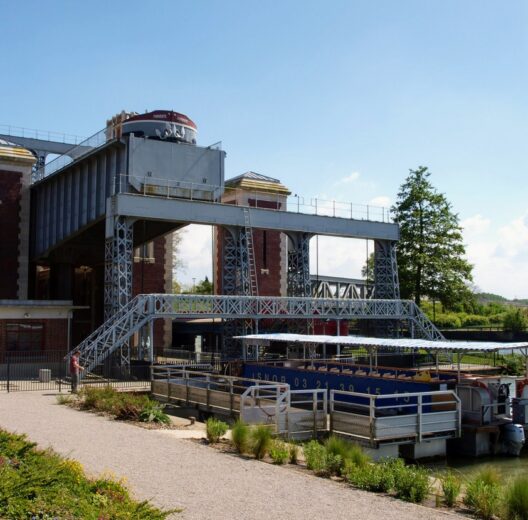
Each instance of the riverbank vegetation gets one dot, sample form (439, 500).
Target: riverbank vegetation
(474, 314)
(40, 484)
(121, 405)
(484, 496)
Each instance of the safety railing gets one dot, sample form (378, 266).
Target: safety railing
(266, 403)
(31, 133)
(180, 189)
(401, 418)
(298, 414)
(77, 150)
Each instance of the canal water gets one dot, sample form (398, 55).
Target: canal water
(508, 467)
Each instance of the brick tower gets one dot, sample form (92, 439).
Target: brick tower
(270, 247)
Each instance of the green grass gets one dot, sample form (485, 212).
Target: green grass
(260, 440)
(516, 503)
(483, 494)
(279, 452)
(40, 484)
(451, 486)
(215, 429)
(240, 436)
(346, 451)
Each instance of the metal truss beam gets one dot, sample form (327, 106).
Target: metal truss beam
(333, 287)
(116, 331)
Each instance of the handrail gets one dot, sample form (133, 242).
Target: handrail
(372, 407)
(172, 189)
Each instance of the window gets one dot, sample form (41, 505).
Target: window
(24, 336)
(144, 253)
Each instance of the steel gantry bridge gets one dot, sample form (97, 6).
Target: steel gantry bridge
(140, 312)
(106, 196)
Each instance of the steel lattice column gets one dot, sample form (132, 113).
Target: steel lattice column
(118, 274)
(299, 265)
(386, 283)
(230, 261)
(235, 281)
(299, 283)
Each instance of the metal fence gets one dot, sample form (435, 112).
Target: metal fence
(48, 370)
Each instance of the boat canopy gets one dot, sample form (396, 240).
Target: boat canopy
(390, 343)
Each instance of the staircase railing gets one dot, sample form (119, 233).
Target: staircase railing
(426, 326)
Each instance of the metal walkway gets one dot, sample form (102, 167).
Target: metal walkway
(141, 310)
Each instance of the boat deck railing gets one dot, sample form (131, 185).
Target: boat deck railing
(395, 418)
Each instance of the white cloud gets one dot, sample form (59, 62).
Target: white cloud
(196, 254)
(334, 256)
(499, 256)
(475, 225)
(381, 201)
(348, 179)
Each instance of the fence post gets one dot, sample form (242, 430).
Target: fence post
(61, 366)
(8, 369)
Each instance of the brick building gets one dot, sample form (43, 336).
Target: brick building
(25, 325)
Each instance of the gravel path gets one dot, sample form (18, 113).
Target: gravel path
(175, 472)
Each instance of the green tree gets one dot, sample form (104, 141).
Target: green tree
(431, 252)
(515, 320)
(367, 271)
(203, 287)
(177, 262)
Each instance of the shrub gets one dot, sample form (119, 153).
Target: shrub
(125, 407)
(371, 477)
(41, 484)
(321, 461)
(240, 436)
(153, 412)
(346, 451)
(517, 499)
(451, 486)
(448, 321)
(64, 399)
(260, 440)
(293, 453)
(357, 456)
(411, 483)
(483, 499)
(515, 320)
(279, 452)
(214, 429)
(314, 454)
(474, 320)
(513, 365)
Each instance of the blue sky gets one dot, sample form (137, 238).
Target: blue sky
(337, 99)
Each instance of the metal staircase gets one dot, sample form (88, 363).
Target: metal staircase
(426, 328)
(114, 332)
